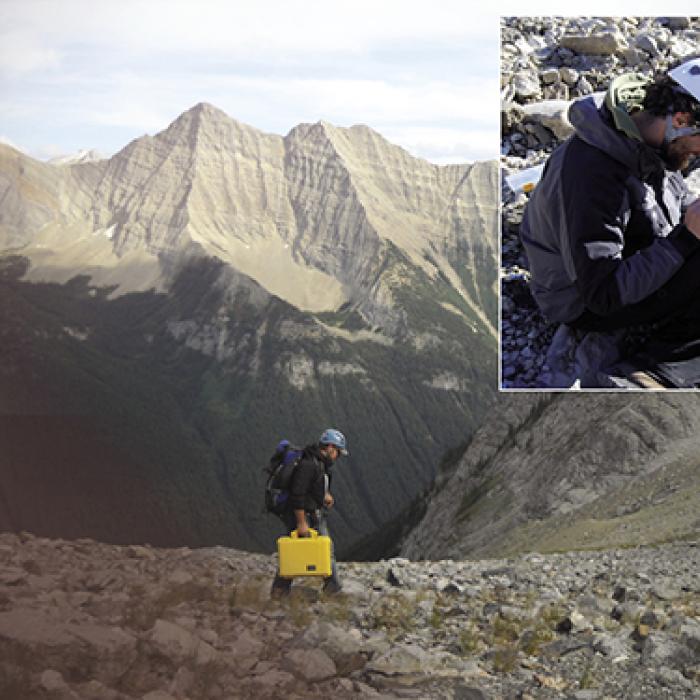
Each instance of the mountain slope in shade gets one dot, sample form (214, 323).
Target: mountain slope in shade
(176, 401)
(562, 472)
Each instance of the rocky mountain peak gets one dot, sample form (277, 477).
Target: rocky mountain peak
(84, 155)
(269, 206)
(206, 110)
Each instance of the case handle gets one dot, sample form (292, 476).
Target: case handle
(312, 533)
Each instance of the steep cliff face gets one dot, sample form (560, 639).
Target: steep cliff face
(212, 289)
(567, 471)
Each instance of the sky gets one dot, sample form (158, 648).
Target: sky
(101, 73)
(77, 74)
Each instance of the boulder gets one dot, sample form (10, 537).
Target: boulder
(310, 664)
(602, 44)
(82, 649)
(526, 85)
(180, 644)
(551, 114)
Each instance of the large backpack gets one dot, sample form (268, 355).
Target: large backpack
(280, 471)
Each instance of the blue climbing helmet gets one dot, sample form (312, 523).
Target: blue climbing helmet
(334, 437)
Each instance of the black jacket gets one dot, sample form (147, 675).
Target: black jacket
(602, 229)
(310, 481)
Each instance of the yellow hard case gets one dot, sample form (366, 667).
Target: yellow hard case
(304, 556)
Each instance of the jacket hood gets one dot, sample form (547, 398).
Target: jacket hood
(613, 133)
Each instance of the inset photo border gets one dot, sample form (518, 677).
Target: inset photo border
(600, 287)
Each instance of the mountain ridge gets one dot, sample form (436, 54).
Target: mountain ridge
(155, 214)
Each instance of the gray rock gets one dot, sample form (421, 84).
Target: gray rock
(401, 659)
(12, 576)
(68, 645)
(556, 91)
(396, 577)
(583, 87)
(310, 664)
(407, 664)
(464, 692)
(663, 591)
(647, 43)
(690, 636)
(569, 75)
(588, 694)
(672, 678)
(680, 49)
(615, 647)
(334, 640)
(173, 640)
(604, 44)
(273, 678)
(182, 682)
(633, 57)
(564, 646)
(679, 22)
(526, 85)
(51, 681)
(552, 114)
(658, 650)
(549, 76)
(245, 648)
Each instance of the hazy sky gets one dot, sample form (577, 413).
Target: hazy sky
(98, 73)
(104, 72)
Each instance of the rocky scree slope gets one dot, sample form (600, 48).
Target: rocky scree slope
(81, 619)
(169, 314)
(561, 471)
(546, 62)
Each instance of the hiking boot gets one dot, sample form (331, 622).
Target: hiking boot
(331, 586)
(281, 587)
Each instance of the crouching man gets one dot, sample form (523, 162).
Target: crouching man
(611, 232)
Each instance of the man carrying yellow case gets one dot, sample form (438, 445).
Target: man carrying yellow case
(309, 498)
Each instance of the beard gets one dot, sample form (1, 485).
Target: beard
(680, 152)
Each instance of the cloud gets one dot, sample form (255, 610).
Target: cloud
(443, 145)
(242, 27)
(137, 65)
(22, 53)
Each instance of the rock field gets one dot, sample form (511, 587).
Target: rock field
(545, 64)
(81, 619)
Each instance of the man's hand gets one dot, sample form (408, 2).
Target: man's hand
(302, 525)
(328, 500)
(692, 218)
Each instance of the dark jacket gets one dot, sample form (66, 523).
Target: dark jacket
(602, 228)
(308, 485)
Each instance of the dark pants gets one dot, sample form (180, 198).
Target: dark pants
(676, 301)
(319, 522)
